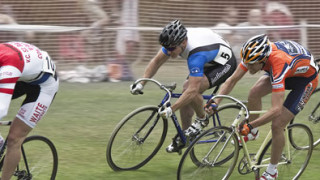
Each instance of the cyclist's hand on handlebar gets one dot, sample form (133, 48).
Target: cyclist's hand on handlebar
(211, 107)
(165, 113)
(245, 129)
(136, 89)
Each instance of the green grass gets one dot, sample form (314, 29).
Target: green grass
(83, 116)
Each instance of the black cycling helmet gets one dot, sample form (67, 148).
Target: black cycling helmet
(173, 34)
(256, 49)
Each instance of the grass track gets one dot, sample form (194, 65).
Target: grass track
(83, 116)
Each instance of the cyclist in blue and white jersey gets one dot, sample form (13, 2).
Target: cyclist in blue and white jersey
(210, 62)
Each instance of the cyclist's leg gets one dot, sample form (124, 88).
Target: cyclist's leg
(38, 100)
(197, 103)
(187, 111)
(278, 139)
(293, 104)
(18, 132)
(260, 89)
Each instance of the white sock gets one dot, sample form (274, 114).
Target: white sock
(272, 168)
(203, 118)
(254, 130)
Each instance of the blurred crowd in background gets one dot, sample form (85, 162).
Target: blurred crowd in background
(120, 32)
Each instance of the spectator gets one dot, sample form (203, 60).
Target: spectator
(6, 9)
(13, 36)
(6, 19)
(228, 19)
(278, 14)
(126, 44)
(97, 17)
(6, 35)
(94, 37)
(254, 18)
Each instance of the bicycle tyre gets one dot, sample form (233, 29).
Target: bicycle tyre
(126, 150)
(300, 153)
(208, 145)
(310, 116)
(227, 113)
(230, 111)
(39, 159)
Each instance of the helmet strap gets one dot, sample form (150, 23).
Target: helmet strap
(183, 46)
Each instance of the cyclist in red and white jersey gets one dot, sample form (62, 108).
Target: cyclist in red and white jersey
(24, 70)
(288, 66)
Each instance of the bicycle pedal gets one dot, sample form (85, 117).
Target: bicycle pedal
(243, 167)
(179, 151)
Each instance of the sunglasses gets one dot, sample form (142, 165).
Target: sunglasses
(171, 48)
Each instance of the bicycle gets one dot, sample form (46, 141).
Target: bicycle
(39, 159)
(138, 136)
(208, 156)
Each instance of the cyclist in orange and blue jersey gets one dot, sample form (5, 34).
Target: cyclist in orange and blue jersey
(288, 66)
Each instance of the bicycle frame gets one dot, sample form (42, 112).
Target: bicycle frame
(244, 112)
(165, 102)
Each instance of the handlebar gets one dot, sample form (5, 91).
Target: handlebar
(235, 100)
(163, 87)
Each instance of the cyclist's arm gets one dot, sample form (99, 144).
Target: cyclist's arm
(189, 94)
(154, 65)
(4, 104)
(227, 87)
(8, 79)
(277, 99)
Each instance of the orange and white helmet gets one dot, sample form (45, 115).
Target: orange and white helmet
(256, 49)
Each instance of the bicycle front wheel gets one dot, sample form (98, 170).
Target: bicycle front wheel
(310, 116)
(227, 113)
(212, 155)
(39, 159)
(295, 157)
(136, 139)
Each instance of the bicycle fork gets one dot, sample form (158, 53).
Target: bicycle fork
(221, 138)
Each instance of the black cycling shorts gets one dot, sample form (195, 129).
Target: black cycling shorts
(218, 73)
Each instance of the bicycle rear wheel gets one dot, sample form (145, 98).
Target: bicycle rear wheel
(208, 156)
(39, 159)
(310, 116)
(136, 139)
(292, 162)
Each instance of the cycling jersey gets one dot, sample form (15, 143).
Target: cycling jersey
(25, 69)
(206, 51)
(288, 59)
(291, 66)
